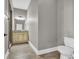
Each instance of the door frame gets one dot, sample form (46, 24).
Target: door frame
(10, 24)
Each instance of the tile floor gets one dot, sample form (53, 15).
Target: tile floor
(24, 51)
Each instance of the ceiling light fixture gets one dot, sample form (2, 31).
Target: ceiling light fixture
(20, 18)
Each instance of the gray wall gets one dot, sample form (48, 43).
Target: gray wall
(69, 17)
(6, 26)
(19, 12)
(65, 20)
(47, 24)
(6, 7)
(60, 22)
(49, 20)
(6, 32)
(32, 17)
(43, 23)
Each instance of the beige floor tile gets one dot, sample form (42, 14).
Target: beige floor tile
(24, 51)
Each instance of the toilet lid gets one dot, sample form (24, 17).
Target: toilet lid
(65, 50)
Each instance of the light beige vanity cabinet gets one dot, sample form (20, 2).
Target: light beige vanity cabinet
(20, 37)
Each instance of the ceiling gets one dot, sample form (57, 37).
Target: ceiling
(21, 4)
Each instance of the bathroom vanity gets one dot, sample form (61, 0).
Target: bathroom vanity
(19, 37)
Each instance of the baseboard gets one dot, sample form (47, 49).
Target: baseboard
(33, 47)
(7, 53)
(40, 52)
(10, 45)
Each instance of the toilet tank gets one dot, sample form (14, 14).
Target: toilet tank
(69, 42)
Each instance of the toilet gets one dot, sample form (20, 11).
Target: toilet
(67, 51)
